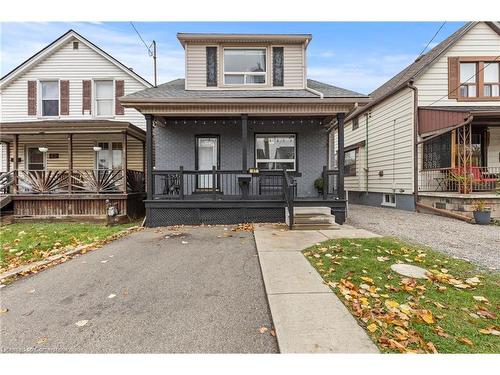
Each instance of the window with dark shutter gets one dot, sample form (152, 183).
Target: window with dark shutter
(211, 66)
(453, 77)
(355, 123)
(119, 92)
(278, 66)
(31, 98)
(64, 88)
(86, 97)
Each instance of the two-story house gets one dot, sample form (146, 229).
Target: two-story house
(430, 138)
(244, 137)
(69, 148)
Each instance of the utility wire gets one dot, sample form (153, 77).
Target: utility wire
(142, 40)
(432, 39)
(467, 80)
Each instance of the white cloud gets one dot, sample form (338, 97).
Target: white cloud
(361, 75)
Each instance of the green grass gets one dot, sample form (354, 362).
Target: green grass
(453, 311)
(28, 242)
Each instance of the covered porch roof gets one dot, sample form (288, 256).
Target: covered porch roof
(70, 127)
(437, 120)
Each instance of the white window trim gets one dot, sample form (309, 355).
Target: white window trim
(94, 98)
(388, 204)
(110, 148)
(294, 160)
(265, 73)
(40, 98)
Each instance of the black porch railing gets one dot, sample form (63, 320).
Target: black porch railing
(215, 184)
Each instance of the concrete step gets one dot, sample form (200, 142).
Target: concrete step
(318, 219)
(313, 226)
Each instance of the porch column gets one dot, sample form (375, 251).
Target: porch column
(149, 156)
(7, 145)
(244, 143)
(16, 161)
(340, 161)
(70, 161)
(124, 161)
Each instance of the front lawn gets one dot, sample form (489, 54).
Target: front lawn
(454, 311)
(30, 242)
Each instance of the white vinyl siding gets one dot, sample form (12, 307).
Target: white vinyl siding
(390, 146)
(83, 152)
(196, 69)
(481, 40)
(75, 66)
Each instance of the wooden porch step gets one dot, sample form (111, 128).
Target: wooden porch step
(5, 199)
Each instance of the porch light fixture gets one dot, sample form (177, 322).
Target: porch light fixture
(43, 149)
(97, 148)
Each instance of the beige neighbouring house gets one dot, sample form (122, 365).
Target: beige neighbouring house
(431, 135)
(68, 147)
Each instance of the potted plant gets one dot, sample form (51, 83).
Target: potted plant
(319, 184)
(482, 214)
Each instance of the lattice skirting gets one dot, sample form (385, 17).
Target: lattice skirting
(194, 216)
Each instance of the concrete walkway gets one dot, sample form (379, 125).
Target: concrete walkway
(308, 317)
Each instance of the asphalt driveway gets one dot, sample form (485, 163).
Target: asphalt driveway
(152, 292)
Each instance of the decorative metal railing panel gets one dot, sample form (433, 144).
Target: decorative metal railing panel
(136, 181)
(6, 181)
(461, 180)
(97, 181)
(43, 182)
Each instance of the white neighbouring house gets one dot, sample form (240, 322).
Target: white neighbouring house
(68, 145)
(431, 134)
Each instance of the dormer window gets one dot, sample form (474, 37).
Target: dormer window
(244, 66)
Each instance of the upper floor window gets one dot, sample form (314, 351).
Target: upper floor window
(104, 98)
(491, 79)
(468, 79)
(244, 66)
(50, 98)
(479, 79)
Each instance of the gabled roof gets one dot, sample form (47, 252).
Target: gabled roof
(418, 67)
(54, 46)
(245, 38)
(175, 91)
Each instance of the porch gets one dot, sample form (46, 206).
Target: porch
(74, 169)
(460, 162)
(241, 169)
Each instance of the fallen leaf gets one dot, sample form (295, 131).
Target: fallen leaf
(42, 340)
(466, 341)
(432, 348)
(372, 327)
(480, 298)
(426, 316)
(391, 304)
(3, 311)
(81, 323)
(273, 333)
(112, 295)
(263, 329)
(490, 331)
(369, 280)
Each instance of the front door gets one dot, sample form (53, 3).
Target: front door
(207, 151)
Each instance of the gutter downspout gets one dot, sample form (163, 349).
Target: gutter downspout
(367, 116)
(315, 92)
(415, 141)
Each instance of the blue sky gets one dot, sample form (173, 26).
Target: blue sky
(355, 55)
